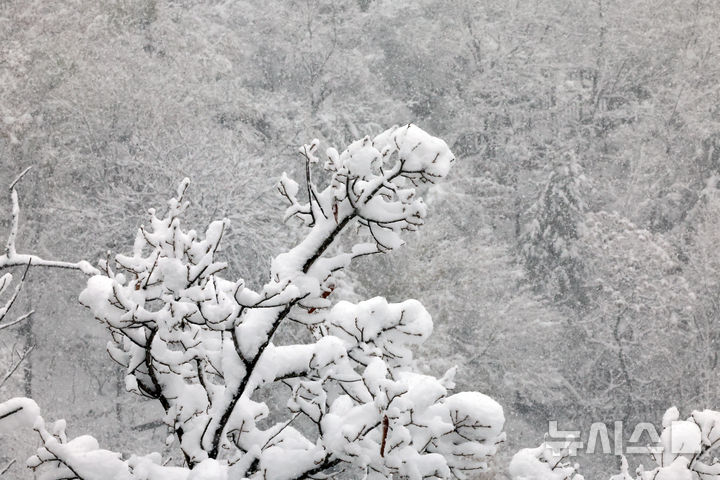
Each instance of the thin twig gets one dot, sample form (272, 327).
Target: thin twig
(19, 177)
(14, 368)
(18, 320)
(7, 467)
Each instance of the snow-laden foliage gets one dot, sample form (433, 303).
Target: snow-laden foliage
(543, 463)
(687, 450)
(702, 266)
(549, 244)
(640, 298)
(203, 345)
(12, 259)
(14, 357)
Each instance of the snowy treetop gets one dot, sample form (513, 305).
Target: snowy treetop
(204, 346)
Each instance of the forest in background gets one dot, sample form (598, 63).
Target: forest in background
(569, 262)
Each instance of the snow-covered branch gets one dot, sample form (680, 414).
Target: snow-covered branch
(544, 463)
(14, 363)
(687, 450)
(11, 258)
(204, 346)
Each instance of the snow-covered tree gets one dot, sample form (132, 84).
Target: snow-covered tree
(702, 270)
(549, 244)
(205, 347)
(640, 298)
(11, 259)
(687, 450)
(13, 355)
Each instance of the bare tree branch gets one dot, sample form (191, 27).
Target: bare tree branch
(14, 367)
(7, 467)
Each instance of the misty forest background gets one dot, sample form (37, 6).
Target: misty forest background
(570, 260)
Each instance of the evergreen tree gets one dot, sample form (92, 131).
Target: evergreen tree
(548, 244)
